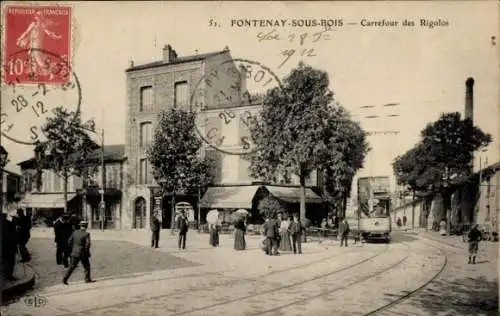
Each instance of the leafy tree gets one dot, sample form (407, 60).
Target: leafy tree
(348, 147)
(174, 153)
(301, 130)
(68, 150)
(269, 207)
(442, 158)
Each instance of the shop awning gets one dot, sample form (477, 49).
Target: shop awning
(45, 200)
(229, 197)
(292, 195)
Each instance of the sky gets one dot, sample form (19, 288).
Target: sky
(423, 69)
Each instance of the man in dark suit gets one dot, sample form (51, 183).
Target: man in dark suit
(23, 226)
(9, 247)
(343, 232)
(62, 231)
(296, 229)
(80, 251)
(155, 230)
(271, 232)
(183, 225)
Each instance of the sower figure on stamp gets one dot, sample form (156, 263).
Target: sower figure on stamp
(80, 242)
(155, 230)
(183, 226)
(474, 237)
(344, 232)
(62, 231)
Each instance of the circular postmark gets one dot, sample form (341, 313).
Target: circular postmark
(227, 101)
(35, 82)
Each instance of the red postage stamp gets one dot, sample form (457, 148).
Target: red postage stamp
(37, 44)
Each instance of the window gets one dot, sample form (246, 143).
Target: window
(181, 94)
(146, 131)
(143, 171)
(147, 99)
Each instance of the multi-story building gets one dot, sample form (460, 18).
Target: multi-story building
(44, 190)
(170, 83)
(11, 188)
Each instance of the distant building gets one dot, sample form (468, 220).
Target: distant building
(44, 190)
(11, 189)
(169, 83)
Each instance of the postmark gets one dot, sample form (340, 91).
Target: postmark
(227, 100)
(26, 106)
(30, 32)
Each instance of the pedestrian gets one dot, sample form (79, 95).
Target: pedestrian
(239, 235)
(62, 233)
(404, 220)
(80, 252)
(278, 222)
(398, 222)
(344, 232)
(214, 233)
(183, 225)
(296, 229)
(23, 227)
(324, 226)
(271, 233)
(285, 243)
(155, 230)
(9, 248)
(474, 237)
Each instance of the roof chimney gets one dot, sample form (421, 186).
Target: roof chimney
(131, 63)
(167, 54)
(469, 99)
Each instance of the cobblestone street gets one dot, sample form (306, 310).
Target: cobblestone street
(325, 280)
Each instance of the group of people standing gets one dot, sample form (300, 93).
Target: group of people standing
(72, 245)
(15, 237)
(282, 234)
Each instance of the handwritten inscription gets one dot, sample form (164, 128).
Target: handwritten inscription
(301, 39)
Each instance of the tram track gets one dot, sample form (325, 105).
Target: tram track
(387, 307)
(239, 281)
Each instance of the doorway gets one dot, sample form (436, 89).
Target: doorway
(140, 213)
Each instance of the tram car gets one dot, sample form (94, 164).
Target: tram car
(376, 228)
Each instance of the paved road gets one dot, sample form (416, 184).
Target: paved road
(326, 280)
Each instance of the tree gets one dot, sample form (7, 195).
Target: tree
(68, 150)
(301, 129)
(269, 207)
(348, 148)
(442, 158)
(174, 153)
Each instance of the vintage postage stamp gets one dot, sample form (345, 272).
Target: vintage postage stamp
(227, 99)
(25, 107)
(37, 44)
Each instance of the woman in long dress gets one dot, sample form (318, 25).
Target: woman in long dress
(285, 244)
(214, 234)
(239, 235)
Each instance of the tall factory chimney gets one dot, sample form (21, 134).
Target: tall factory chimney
(469, 99)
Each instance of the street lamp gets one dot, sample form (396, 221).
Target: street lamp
(102, 203)
(3, 162)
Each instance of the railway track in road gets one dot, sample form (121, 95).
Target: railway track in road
(234, 281)
(387, 307)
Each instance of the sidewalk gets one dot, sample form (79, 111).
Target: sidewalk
(25, 281)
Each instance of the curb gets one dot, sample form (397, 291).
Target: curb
(20, 286)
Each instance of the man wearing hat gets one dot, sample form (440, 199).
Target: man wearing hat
(80, 251)
(62, 231)
(183, 226)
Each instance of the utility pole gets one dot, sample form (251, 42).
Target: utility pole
(102, 205)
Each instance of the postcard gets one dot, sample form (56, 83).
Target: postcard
(250, 157)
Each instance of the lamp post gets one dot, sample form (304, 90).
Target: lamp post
(102, 203)
(3, 161)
